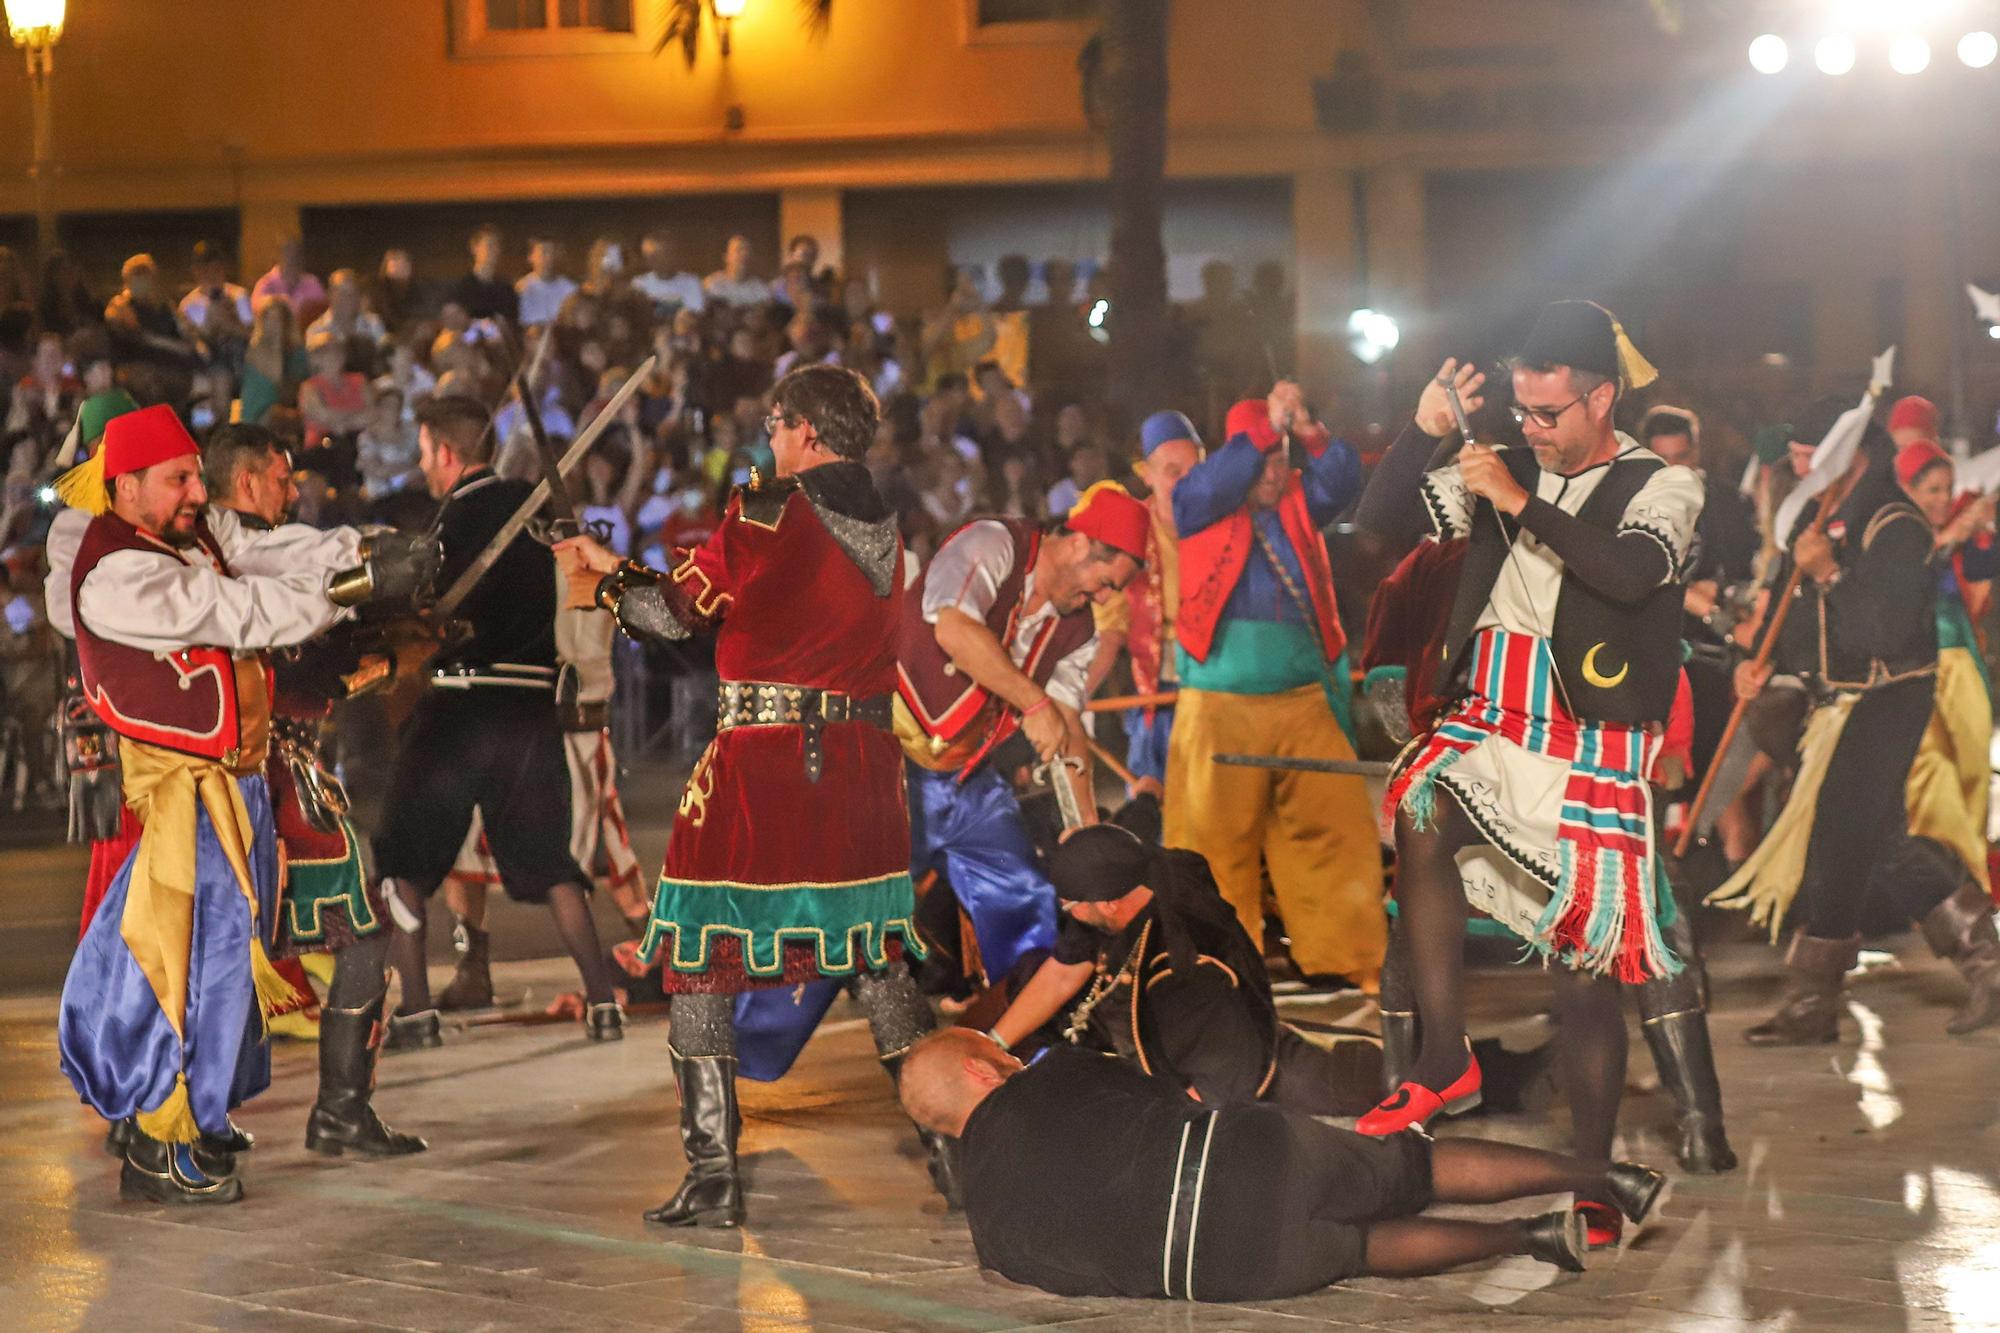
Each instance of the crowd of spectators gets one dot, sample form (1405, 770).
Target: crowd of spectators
(993, 400)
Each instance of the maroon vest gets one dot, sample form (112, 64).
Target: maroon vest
(182, 700)
(946, 703)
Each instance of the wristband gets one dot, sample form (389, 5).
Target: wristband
(993, 1035)
(1034, 708)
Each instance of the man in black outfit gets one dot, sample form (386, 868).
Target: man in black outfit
(482, 291)
(485, 734)
(1087, 1177)
(1862, 635)
(1175, 985)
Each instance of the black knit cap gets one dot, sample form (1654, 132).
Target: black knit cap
(1099, 863)
(1578, 334)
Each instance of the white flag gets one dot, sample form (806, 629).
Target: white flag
(1832, 455)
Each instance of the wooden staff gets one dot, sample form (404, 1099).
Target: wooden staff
(1830, 501)
(1106, 758)
(1119, 703)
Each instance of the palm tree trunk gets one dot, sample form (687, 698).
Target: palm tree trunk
(1134, 107)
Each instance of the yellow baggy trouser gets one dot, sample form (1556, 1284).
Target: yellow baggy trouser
(1947, 791)
(1315, 831)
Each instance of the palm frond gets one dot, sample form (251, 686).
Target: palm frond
(817, 16)
(684, 26)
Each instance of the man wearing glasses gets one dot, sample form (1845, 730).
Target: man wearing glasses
(1564, 641)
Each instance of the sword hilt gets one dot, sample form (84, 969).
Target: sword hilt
(1056, 775)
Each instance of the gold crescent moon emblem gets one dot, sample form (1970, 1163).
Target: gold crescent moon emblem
(1598, 678)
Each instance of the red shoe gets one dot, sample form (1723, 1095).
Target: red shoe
(1414, 1104)
(1602, 1225)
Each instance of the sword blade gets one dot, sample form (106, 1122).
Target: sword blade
(1365, 768)
(455, 595)
(1458, 411)
(561, 503)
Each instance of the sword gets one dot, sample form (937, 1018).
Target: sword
(561, 502)
(1057, 773)
(1365, 768)
(455, 595)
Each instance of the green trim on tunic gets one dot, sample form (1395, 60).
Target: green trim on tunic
(1270, 657)
(1954, 625)
(849, 924)
(311, 887)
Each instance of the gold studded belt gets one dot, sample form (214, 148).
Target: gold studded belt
(748, 703)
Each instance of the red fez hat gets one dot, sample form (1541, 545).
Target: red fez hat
(1250, 417)
(1918, 457)
(132, 441)
(140, 439)
(1108, 513)
(1914, 413)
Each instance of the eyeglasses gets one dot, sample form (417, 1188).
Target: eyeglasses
(1545, 417)
(778, 420)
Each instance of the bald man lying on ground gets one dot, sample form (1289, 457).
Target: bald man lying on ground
(1087, 1177)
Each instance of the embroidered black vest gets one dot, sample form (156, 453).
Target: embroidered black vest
(1614, 663)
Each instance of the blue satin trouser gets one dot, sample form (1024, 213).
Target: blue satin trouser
(116, 1045)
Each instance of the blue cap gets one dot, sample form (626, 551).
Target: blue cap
(1162, 427)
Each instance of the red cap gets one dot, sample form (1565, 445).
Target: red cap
(140, 439)
(1918, 457)
(1108, 513)
(1914, 413)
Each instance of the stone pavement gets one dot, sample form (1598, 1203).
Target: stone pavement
(1867, 1198)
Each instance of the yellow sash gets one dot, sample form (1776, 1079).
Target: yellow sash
(162, 787)
(1766, 883)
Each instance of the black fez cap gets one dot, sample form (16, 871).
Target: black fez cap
(1585, 336)
(1817, 420)
(1099, 863)
(1573, 333)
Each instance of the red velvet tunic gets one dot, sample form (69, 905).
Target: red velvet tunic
(770, 877)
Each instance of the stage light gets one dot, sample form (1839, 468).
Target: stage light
(1978, 49)
(729, 9)
(1372, 335)
(1099, 312)
(1909, 54)
(1834, 54)
(1993, 330)
(1769, 54)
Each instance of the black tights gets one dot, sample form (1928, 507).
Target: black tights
(1476, 1171)
(568, 904)
(1430, 937)
(1431, 916)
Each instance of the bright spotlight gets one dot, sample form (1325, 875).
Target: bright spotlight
(1909, 54)
(1978, 49)
(1769, 54)
(1371, 335)
(1834, 54)
(1993, 330)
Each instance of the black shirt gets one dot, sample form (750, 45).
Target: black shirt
(512, 609)
(1069, 1169)
(1884, 607)
(485, 298)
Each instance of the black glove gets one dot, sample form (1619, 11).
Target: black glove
(395, 567)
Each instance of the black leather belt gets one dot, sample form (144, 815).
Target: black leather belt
(1184, 1213)
(749, 703)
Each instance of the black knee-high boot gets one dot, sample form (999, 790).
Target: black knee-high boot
(1674, 1016)
(711, 1195)
(343, 1118)
(1399, 1014)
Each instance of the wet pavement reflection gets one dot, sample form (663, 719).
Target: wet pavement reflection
(1868, 1197)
